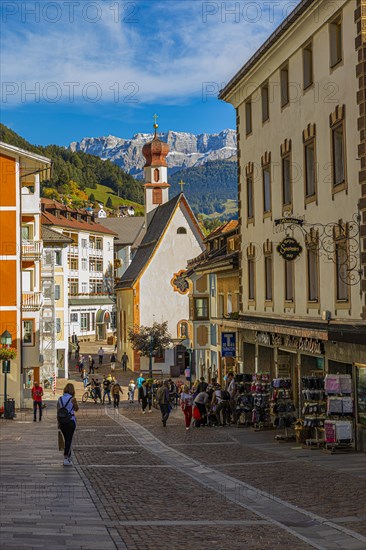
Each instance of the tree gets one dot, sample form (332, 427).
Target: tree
(150, 340)
(91, 197)
(109, 203)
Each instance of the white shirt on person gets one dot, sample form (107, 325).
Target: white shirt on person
(186, 398)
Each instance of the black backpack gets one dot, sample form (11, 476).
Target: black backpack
(63, 415)
(225, 395)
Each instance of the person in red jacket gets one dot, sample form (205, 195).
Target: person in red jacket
(37, 392)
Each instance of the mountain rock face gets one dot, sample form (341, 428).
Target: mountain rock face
(186, 150)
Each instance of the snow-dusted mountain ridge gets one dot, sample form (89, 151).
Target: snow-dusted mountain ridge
(186, 149)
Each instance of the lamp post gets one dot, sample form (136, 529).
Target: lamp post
(151, 338)
(6, 340)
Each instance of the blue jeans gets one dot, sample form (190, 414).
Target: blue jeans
(108, 394)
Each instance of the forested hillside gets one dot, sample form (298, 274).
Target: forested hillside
(83, 169)
(209, 186)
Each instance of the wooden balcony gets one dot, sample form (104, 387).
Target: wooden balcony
(31, 250)
(32, 301)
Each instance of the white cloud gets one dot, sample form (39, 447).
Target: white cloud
(171, 49)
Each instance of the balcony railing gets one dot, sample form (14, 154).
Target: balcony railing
(31, 203)
(95, 251)
(96, 274)
(32, 301)
(31, 250)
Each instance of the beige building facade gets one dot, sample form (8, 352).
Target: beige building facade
(301, 211)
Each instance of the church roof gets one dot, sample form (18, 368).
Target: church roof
(157, 220)
(127, 228)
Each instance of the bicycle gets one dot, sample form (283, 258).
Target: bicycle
(89, 394)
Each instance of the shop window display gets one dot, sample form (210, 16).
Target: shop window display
(361, 396)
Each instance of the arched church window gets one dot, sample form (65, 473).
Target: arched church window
(157, 196)
(182, 231)
(156, 175)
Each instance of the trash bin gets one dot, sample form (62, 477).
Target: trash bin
(110, 340)
(9, 408)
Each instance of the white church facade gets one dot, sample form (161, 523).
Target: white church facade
(152, 289)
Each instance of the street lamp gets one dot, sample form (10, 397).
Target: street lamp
(151, 340)
(6, 340)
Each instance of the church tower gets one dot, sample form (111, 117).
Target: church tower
(155, 172)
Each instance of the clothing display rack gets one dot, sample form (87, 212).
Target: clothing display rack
(314, 408)
(282, 407)
(340, 412)
(260, 391)
(244, 404)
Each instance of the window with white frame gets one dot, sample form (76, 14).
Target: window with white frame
(28, 332)
(84, 321)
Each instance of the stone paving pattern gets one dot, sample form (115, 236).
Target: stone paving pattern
(120, 495)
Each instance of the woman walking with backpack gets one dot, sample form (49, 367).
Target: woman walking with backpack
(66, 408)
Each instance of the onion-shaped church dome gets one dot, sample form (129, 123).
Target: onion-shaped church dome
(155, 151)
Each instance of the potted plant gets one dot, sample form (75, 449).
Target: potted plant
(6, 354)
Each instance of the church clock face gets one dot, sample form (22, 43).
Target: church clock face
(179, 282)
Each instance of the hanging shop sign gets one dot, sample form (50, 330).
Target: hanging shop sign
(290, 221)
(289, 249)
(306, 345)
(228, 344)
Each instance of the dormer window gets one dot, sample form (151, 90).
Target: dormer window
(182, 231)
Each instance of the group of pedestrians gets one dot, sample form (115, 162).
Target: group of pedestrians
(108, 389)
(210, 404)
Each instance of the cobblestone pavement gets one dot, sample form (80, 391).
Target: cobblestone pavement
(140, 486)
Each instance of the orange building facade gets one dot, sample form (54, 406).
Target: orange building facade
(20, 258)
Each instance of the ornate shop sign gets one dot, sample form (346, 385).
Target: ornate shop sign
(289, 249)
(289, 220)
(307, 345)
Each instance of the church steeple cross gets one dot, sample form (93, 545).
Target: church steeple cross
(155, 123)
(182, 184)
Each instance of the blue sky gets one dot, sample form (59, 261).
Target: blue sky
(74, 69)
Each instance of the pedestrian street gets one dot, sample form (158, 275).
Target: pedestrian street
(138, 485)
